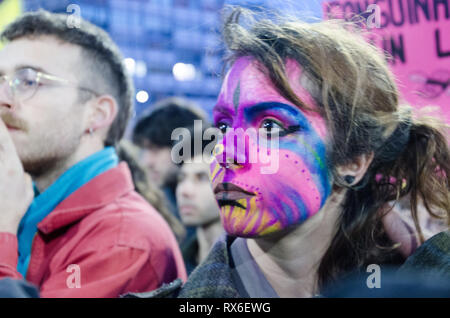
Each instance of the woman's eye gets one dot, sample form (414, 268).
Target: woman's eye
(272, 127)
(222, 127)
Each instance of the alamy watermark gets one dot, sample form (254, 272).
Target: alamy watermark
(374, 279)
(370, 18)
(74, 279)
(374, 18)
(74, 19)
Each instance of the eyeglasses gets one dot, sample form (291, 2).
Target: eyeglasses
(25, 83)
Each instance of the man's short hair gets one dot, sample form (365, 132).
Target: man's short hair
(156, 128)
(102, 60)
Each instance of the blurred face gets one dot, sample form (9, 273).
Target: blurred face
(159, 165)
(46, 127)
(254, 204)
(195, 197)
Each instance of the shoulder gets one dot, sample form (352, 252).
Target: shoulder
(130, 221)
(189, 250)
(432, 256)
(211, 279)
(170, 290)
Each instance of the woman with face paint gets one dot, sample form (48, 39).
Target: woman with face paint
(315, 149)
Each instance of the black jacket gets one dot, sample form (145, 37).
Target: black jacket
(214, 279)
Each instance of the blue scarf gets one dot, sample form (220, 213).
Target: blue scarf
(45, 202)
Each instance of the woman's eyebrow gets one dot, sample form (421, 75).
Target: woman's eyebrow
(223, 109)
(254, 110)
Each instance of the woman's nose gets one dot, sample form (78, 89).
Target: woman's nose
(233, 149)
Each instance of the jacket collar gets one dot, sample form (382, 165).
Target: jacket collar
(98, 192)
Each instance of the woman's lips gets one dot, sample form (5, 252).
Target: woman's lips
(232, 195)
(229, 191)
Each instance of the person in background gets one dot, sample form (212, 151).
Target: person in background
(197, 205)
(128, 153)
(153, 133)
(71, 222)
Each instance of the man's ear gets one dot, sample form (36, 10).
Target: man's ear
(355, 170)
(104, 110)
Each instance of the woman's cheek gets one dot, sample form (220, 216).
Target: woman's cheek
(217, 172)
(294, 193)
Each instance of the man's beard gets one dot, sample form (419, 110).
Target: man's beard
(39, 166)
(52, 156)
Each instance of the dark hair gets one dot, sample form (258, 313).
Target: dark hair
(127, 152)
(357, 95)
(102, 59)
(156, 128)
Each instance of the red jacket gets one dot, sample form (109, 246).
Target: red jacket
(117, 240)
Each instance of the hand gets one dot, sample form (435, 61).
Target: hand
(16, 188)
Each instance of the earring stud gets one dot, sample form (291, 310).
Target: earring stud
(349, 179)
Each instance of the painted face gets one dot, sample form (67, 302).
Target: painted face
(254, 203)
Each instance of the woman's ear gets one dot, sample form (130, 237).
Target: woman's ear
(355, 170)
(103, 112)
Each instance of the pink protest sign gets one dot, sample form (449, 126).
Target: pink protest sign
(416, 33)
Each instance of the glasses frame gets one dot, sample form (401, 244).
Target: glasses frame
(39, 77)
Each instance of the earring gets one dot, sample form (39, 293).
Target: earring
(349, 179)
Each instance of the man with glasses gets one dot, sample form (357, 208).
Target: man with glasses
(70, 220)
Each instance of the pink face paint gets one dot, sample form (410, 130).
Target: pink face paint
(255, 204)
